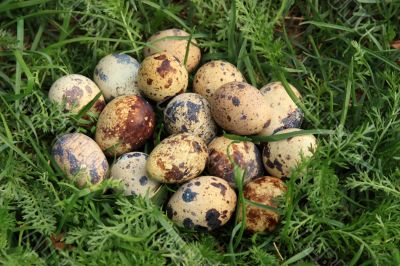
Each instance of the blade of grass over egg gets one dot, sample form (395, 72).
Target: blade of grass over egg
(87, 107)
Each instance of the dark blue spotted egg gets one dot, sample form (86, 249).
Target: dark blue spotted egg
(130, 170)
(203, 204)
(80, 158)
(190, 113)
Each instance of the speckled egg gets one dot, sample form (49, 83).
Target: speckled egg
(280, 157)
(265, 190)
(130, 170)
(124, 125)
(74, 92)
(116, 75)
(161, 76)
(163, 41)
(213, 75)
(239, 108)
(177, 159)
(190, 112)
(80, 158)
(284, 113)
(203, 204)
(244, 153)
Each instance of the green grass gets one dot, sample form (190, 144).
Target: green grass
(345, 208)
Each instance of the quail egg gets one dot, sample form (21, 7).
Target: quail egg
(283, 112)
(177, 159)
(116, 75)
(280, 157)
(80, 158)
(161, 76)
(125, 124)
(204, 203)
(244, 153)
(163, 41)
(130, 169)
(213, 75)
(74, 92)
(265, 190)
(190, 112)
(239, 108)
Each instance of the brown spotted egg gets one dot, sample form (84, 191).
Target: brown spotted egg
(213, 75)
(130, 170)
(177, 159)
(190, 112)
(265, 190)
(80, 158)
(284, 113)
(116, 75)
(280, 157)
(244, 153)
(125, 124)
(74, 92)
(238, 107)
(203, 204)
(163, 41)
(161, 76)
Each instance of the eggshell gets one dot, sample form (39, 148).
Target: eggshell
(244, 153)
(161, 76)
(213, 75)
(163, 41)
(204, 203)
(239, 108)
(283, 112)
(80, 158)
(177, 159)
(280, 157)
(116, 75)
(130, 169)
(190, 112)
(126, 124)
(74, 92)
(264, 190)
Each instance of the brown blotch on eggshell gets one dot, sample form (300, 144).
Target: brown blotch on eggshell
(125, 124)
(161, 76)
(265, 190)
(163, 42)
(245, 154)
(177, 159)
(281, 157)
(239, 108)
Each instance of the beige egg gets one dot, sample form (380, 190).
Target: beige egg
(239, 108)
(177, 159)
(161, 76)
(283, 112)
(265, 190)
(130, 170)
(280, 157)
(80, 158)
(163, 41)
(116, 75)
(190, 113)
(213, 75)
(125, 124)
(244, 153)
(203, 204)
(73, 92)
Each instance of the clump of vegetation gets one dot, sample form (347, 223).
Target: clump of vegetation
(345, 209)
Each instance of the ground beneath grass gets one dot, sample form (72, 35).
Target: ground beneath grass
(341, 55)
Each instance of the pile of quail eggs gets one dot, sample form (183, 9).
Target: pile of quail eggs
(195, 156)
